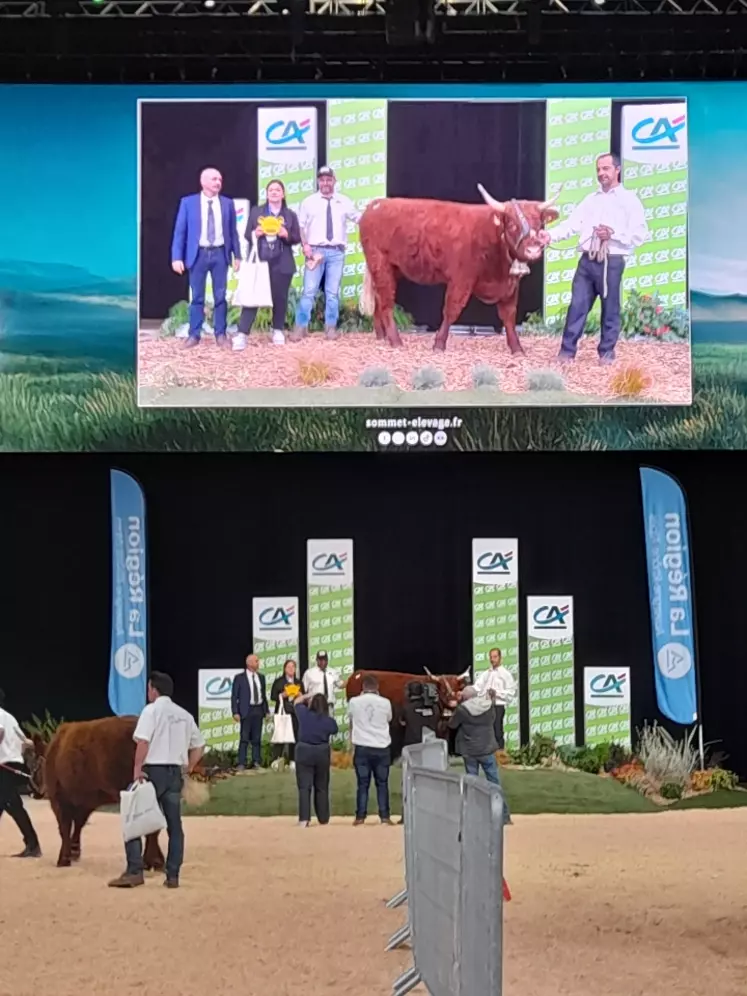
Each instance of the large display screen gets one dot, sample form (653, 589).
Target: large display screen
(397, 267)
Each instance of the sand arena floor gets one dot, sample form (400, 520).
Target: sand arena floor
(603, 906)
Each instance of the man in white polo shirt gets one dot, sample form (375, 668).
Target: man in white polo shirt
(167, 742)
(370, 734)
(12, 743)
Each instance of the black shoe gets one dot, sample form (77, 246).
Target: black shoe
(29, 852)
(171, 883)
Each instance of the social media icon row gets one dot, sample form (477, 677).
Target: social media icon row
(412, 438)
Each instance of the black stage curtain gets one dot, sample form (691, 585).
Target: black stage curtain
(437, 149)
(224, 528)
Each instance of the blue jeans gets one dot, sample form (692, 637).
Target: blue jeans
(489, 765)
(372, 761)
(212, 261)
(330, 268)
(587, 286)
(167, 780)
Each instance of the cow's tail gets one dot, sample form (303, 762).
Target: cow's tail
(367, 301)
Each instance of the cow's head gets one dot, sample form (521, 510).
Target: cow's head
(521, 222)
(449, 686)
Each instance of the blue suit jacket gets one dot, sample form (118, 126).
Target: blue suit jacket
(241, 698)
(185, 244)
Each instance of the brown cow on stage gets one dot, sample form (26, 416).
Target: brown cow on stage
(475, 249)
(85, 766)
(393, 686)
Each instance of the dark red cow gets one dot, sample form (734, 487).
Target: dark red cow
(475, 249)
(393, 686)
(86, 766)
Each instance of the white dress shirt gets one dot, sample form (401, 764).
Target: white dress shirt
(170, 732)
(499, 680)
(312, 218)
(618, 209)
(217, 214)
(11, 746)
(313, 683)
(255, 687)
(370, 715)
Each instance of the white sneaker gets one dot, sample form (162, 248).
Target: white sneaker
(239, 341)
(278, 337)
(292, 765)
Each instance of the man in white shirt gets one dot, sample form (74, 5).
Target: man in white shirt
(610, 224)
(323, 218)
(319, 680)
(168, 742)
(12, 744)
(500, 685)
(370, 734)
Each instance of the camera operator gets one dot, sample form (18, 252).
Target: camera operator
(421, 711)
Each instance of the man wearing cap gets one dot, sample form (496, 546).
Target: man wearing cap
(319, 681)
(323, 219)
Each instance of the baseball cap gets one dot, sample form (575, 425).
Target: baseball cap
(326, 171)
(322, 655)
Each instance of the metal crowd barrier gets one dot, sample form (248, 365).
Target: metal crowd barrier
(454, 883)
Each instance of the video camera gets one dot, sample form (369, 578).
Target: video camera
(430, 694)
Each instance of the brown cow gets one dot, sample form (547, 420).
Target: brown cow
(393, 686)
(475, 249)
(86, 766)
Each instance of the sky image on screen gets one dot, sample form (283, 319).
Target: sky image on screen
(69, 309)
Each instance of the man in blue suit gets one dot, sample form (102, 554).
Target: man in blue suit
(250, 708)
(206, 241)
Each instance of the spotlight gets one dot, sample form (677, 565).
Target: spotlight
(209, 4)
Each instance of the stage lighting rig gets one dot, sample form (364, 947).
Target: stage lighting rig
(410, 23)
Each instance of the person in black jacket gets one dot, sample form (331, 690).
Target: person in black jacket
(277, 252)
(279, 694)
(420, 712)
(474, 722)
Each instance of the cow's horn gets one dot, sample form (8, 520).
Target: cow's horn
(491, 201)
(428, 673)
(547, 204)
(465, 675)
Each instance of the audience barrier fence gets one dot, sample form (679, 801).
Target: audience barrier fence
(454, 878)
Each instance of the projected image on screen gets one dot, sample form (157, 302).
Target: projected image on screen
(369, 253)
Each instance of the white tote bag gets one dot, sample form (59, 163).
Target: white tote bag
(282, 731)
(140, 812)
(253, 290)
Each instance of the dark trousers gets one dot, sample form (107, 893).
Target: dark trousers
(212, 261)
(588, 285)
(500, 716)
(280, 286)
(312, 772)
(12, 804)
(372, 762)
(251, 734)
(288, 749)
(489, 765)
(167, 780)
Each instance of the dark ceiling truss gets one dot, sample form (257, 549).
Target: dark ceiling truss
(349, 41)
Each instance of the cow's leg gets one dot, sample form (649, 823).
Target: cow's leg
(455, 302)
(507, 314)
(80, 818)
(153, 859)
(385, 282)
(64, 816)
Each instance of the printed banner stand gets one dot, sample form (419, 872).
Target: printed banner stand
(495, 617)
(550, 664)
(128, 663)
(275, 634)
(214, 704)
(287, 147)
(607, 706)
(329, 582)
(655, 165)
(357, 152)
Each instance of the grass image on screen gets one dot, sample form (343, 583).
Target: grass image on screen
(383, 206)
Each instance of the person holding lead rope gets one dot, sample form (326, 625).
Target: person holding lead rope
(12, 744)
(610, 224)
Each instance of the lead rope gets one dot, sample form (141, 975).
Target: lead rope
(599, 251)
